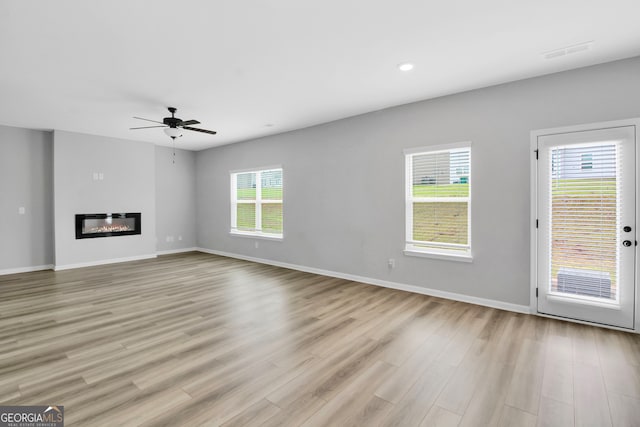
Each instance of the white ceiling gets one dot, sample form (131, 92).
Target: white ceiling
(237, 66)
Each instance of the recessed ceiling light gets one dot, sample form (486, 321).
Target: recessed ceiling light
(405, 66)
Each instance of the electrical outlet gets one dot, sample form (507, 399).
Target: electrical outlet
(391, 263)
(169, 238)
(256, 245)
(179, 237)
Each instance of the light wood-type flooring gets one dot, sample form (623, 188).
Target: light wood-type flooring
(196, 339)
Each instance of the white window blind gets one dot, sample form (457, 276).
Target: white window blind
(256, 202)
(438, 204)
(584, 218)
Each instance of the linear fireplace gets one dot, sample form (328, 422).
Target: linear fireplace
(108, 224)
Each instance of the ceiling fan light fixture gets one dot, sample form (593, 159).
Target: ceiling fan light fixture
(173, 126)
(173, 132)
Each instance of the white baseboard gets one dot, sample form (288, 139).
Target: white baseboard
(384, 283)
(102, 262)
(26, 269)
(176, 251)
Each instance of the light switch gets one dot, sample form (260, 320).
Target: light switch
(21, 210)
(95, 176)
(101, 176)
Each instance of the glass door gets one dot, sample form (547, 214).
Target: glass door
(586, 225)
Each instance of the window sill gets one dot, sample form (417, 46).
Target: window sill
(439, 255)
(263, 236)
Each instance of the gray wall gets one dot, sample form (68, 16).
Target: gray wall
(344, 181)
(128, 186)
(175, 199)
(144, 176)
(25, 181)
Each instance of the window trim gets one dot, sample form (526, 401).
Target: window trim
(437, 253)
(258, 202)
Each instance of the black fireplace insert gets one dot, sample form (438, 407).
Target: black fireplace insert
(108, 224)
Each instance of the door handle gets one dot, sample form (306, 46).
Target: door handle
(626, 243)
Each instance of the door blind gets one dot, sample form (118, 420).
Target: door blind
(584, 220)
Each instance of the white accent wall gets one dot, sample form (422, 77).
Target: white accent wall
(126, 183)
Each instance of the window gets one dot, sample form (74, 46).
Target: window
(256, 203)
(586, 161)
(438, 202)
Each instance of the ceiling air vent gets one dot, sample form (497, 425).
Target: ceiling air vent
(582, 47)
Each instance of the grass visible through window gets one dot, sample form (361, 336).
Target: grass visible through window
(447, 190)
(586, 210)
(268, 193)
(440, 222)
(246, 216)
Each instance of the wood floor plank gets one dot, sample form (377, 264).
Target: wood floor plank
(255, 415)
(440, 417)
(620, 376)
(199, 339)
(625, 410)
(356, 402)
(96, 402)
(395, 387)
(591, 401)
(330, 376)
(157, 405)
(412, 305)
(555, 414)
(585, 350)
(371, 414)
(299, 411)
(10, 396)
(416, 403)
(557, 382)
(514, 417)
(526, 384)
(488, 401)
(461, 387)
(459, 345)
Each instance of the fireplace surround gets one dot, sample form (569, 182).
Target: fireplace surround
(108, 224)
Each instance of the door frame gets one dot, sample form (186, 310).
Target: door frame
(533, 305)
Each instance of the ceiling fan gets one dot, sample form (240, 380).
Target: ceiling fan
(173, 125)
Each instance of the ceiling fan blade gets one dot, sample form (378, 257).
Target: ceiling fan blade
(189, 123)
(212, 132)
(149, 127)
(154, 121)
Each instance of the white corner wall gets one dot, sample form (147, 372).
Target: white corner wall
(25, 182)
(344, 182)
(128, 185)
(175, 200)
